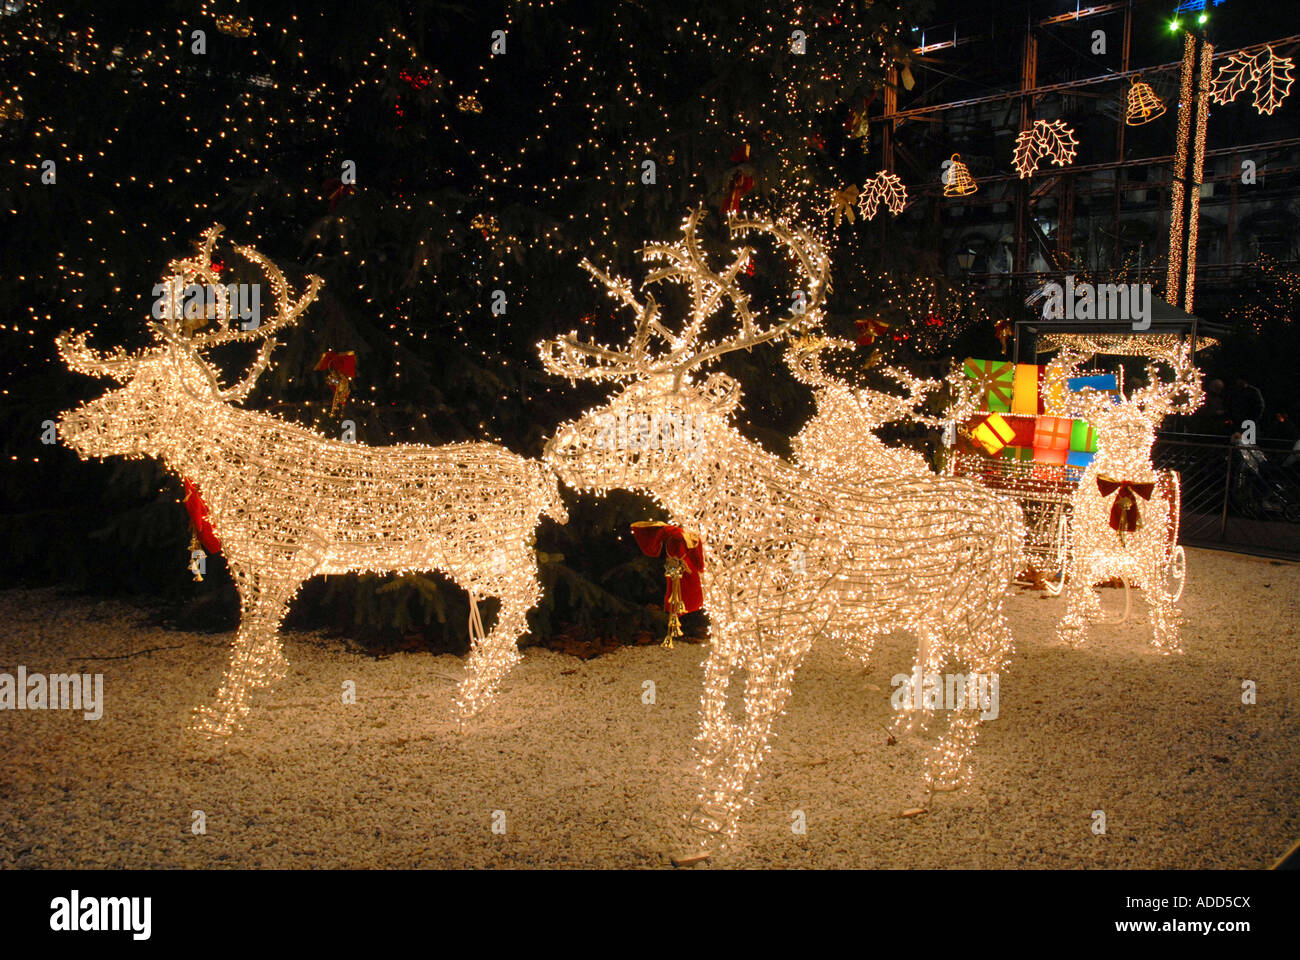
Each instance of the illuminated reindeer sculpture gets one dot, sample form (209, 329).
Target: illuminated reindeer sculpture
(791, 556)
(840, 440)
(1124, 520)
(288, 503)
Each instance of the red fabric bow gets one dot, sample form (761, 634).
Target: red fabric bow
(198, 511)
(344, 363)
(654, 537)
(1124, 511)
(868, 329)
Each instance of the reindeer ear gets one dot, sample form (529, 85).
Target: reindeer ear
(723, 392)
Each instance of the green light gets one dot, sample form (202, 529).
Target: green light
(1174, 25)
(1203, 18)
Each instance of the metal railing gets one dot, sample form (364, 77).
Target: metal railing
(1234, 497)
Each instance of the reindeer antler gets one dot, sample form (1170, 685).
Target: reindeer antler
(199, 268)
(804, 359)
(687, 263)
(1163, 398)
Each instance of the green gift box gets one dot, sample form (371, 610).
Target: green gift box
(1083, 439)
(995, 379)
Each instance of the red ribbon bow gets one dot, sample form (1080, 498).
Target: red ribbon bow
(1124, 511)
(685, 552)
(868, 329)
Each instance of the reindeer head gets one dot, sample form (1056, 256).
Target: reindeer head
(1126, 430)
(162, 382)
(873, 408)
(660, 427)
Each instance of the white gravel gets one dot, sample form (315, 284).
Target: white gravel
(588, 775)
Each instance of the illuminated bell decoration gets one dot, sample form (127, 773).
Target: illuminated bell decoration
(340, 369)
(469, 104)
(960, 182)
(683, 552)
(234, 27)
(289, 503)
(1143, 104)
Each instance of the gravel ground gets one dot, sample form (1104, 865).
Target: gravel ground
(587, 775)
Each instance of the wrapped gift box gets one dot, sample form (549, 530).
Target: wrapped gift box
(1083, 438)
(994, 379)
(992, 434)
(1053, 455)
(1052, 433)
(1024, 394)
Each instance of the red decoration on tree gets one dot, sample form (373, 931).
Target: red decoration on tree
(684, 550)
(742, 179)
(341, 367)
(336, 189)
(868, 329)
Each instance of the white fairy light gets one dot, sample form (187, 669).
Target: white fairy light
(1120, 484)
(288, 503)
(792, 555)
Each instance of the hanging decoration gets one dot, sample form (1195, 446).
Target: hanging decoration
(468, 103)
(340, 370)
(869, 328)
(683, 552)
(1269, 74)
(1143, 104)
(883, 186)
(842, 203)
(795, 556)
(233, 26)
(1046, 138)
(957, 181)
(742, 179)
(288, 503)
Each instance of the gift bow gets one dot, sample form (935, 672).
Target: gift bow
(868, 329)
(684, 550)
(1124, 511)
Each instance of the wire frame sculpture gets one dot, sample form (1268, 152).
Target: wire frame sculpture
(795, 557)
(1124, 513)
(957, 180)
(289, 503)
(1143, 104)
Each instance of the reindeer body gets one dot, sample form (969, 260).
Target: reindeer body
(792, 555)
(288, 503)
(1143, 558)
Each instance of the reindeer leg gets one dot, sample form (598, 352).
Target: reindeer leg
(1082, 607)
(987, 651)
(256, 658)
(493, 656)
(728, 784)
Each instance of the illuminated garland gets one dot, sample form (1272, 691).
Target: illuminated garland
(794, 557)
(289, 504)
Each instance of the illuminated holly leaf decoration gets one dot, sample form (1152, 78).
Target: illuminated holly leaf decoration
(1057, 141)
(1234, 77)
(883, 186)
(889, 187)
(1272, 82)
(1028, 150)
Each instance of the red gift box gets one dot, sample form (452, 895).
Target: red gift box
(1052, 433)
(1051, 455)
